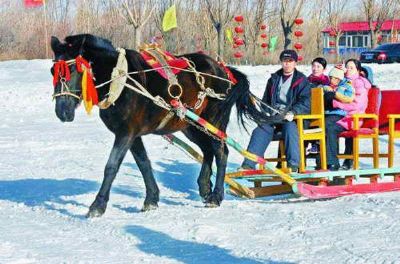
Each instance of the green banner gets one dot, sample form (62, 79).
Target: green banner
(272, 43)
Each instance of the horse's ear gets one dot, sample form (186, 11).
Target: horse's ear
(55, 43)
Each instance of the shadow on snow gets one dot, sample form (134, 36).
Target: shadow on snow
(160, 244)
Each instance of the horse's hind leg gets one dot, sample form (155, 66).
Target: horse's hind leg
(221, 158)
(143, 162)
(121, 145)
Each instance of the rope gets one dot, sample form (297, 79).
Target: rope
(158, 68)
(266, 105)
(158, 100)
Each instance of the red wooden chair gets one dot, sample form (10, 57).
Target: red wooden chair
(389, 121)
(368, 130)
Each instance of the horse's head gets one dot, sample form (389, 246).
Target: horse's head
(72, 74)
(66, 79)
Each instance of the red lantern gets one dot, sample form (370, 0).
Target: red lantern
(239, 30)
(298, 21)
(263, 27)
(332, 43)
(239, 18)
(298, 46)
(332, 33)
(263, 35)
(239, 41)
(264, 45)
(332, 51)
(238, 54)
(298, 33)
(300, 58)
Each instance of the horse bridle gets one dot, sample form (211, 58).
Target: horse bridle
(62, 75)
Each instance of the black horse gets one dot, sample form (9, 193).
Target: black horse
(133, 115)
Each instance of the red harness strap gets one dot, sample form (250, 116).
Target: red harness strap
(228, 72)
(61, 70)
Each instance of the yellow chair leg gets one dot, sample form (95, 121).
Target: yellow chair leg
(356, 148)
(375, 149)
(302, 156)
(322, 153)
(283, 154)
(390, 151)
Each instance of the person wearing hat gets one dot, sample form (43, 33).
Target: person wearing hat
(339, 88)
(287, 91)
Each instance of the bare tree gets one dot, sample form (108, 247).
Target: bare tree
(335, 11)
(136, 13)
(318, 22)
(220, 12)
(289, 10)
(377, 12)
(256, 16)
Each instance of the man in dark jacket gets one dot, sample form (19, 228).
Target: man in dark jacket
(287, 90)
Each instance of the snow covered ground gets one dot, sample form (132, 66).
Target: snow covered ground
(50, 172)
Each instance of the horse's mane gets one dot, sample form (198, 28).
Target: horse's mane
(92, 42)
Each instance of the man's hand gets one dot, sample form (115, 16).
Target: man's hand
(289, 116)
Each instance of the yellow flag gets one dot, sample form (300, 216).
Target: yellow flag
(169, 20)
(86, 102)
(228, 34)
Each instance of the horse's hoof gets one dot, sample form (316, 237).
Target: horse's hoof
(211, 205)
(95, 212)
(149, 207)
(213, 201)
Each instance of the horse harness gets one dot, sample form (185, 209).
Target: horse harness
(62, 74)
(175, 90)
(119, 78)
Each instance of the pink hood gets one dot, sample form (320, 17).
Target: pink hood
(360, 103)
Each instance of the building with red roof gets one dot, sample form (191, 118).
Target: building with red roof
(356, 38)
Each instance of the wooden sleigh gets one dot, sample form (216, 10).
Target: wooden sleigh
(321, 184)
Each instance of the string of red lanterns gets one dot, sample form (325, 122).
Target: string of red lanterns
(237, 39)
(263, 36)
(298, 34)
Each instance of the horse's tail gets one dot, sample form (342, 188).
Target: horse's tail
(245, 102)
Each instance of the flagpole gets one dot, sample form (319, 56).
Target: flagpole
(45, 29)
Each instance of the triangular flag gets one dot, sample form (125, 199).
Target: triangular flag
(33, 3)
(272, 43)
(228, 34)
(169, 20)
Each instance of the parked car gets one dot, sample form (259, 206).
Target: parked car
(385, 53)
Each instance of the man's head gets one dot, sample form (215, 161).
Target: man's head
(289, 61)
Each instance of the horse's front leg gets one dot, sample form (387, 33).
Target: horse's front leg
(221, 158)
(143, 162)
(121, 145)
